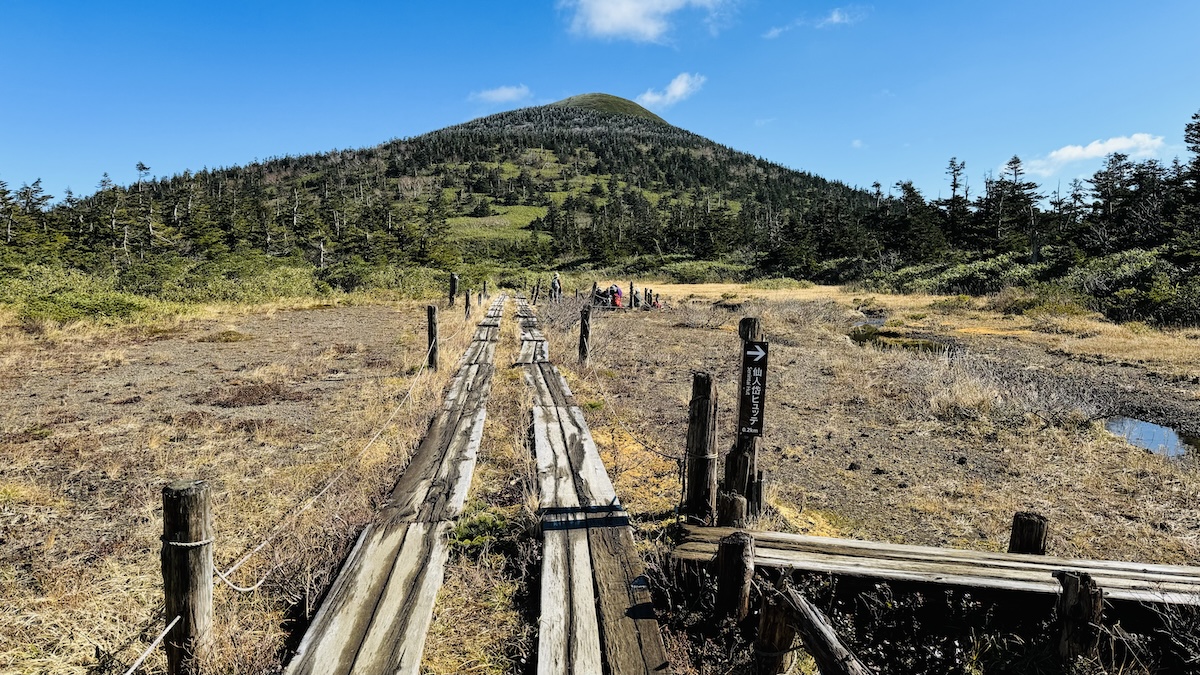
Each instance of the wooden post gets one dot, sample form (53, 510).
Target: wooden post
(485, 291)
(1028, 533)
(776, 634)
(480, 303)
(629, 303)
(467, 303)
(432, 329)
(700, 500)
(453, 288)
(595, 287)
(585, 333)
(1080, 610)
(731, 510)
(576, 294)
(187, 569)
(735, 572)
(821, 641)
(741, 465)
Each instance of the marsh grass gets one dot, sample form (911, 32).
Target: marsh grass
(82, 582)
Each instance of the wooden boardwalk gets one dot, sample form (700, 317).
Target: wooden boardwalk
(377, 612)
(1137, 582)
(597, 615)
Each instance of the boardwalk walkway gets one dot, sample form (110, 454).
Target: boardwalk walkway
(596, 612)
(377, 612)
(1139, 582)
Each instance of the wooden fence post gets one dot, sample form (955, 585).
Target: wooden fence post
(1028, 533)
(735, 574)
(700, 500)
(773, 648)
(431, 322)
(467, 303)
(585, 333)
(453, 288)
(187, 569)
(1080, 610)
(595, 287)
(577, 294)
(731, 510)
(485, 291)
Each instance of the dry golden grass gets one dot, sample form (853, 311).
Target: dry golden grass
(80, 581)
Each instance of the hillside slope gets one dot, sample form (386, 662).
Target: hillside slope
(580, 180)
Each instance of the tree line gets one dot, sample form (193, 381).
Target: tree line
(604, 188)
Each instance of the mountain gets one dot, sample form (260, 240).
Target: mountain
(596, 181)
(591, 180)
(608, 103)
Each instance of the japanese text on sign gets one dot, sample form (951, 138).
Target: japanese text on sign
(753, 388)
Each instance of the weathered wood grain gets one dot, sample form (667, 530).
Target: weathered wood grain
(632, 643)
(597, 615)
(955, 567)
(377, 612)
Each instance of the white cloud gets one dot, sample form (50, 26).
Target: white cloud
(763, 121)
(683, 86)
(637, 20)
(505, 94)
(857, 144)
(1134, 145)
(777, 31)
(842, 16)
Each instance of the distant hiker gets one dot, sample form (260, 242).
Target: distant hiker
(556, 288)
(614, 296)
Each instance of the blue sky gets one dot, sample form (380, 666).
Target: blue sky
(854, 92)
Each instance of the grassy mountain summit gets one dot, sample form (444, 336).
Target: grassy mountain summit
(607, 103)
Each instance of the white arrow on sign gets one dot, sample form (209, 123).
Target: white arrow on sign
(757, 352)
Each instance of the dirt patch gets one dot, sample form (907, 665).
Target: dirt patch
(242, 395)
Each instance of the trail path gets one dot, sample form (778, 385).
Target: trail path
(596, 610)
(377, 612)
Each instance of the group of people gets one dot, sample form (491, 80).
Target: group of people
(612, 296)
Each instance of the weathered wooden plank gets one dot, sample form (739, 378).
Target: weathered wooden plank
(881, 550)
(339, 627)
(557, 384)
(553, 619)
(396, 639)
(1030, 579)
(460, 385)
(632, 642)
(592, 481)
(585, 633)
(555, 480)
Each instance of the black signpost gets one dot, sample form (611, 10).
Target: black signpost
(752, 388)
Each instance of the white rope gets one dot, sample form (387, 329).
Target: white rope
(154, 644)
(224, 576)
(245, 589)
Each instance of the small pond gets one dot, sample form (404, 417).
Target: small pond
(1153, 437)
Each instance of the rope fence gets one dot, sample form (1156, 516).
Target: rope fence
(137, 664)
(289, 518)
